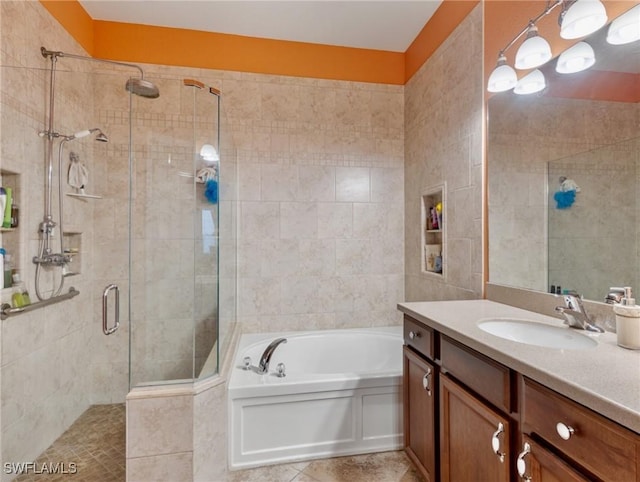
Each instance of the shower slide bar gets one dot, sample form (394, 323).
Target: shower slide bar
(6, 310)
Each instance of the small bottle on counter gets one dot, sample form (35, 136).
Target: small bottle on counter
(628, 321)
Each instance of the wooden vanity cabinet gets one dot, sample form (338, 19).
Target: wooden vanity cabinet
(420, 429)
(475, 442)
(473, 418)
(593, 444)
(536, 463)
(476, 434)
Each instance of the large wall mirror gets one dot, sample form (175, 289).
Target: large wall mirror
(582, 131)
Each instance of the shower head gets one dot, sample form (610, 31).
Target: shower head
(101, 137)
(142, 87)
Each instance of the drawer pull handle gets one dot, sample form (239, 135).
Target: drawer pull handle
(426, 381)
(495, 442)
(414, 334)
(521, 465)
(565, 431)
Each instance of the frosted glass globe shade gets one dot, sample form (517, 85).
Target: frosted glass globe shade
(576, 59)
(502, 78)
(533, 52)
(582, 18)
(531, 83)
(626, 28)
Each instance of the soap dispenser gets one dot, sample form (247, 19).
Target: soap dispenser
(628, 321)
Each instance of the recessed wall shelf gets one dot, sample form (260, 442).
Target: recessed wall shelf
(10, 237)
(73, 249)
(433, 225)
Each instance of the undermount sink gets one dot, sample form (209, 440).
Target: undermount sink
(535, 333)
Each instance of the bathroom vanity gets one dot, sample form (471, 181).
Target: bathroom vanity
(481, 407)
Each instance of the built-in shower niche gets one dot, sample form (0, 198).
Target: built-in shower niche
(433, 246)
(73, 249)
(10, 236)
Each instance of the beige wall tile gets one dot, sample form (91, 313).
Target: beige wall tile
(177, 467)
(157, 426)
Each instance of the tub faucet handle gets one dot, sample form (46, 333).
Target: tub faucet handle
(280, 370)
(246, 363)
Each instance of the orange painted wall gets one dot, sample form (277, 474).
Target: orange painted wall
(74, 18)
(189, 48)
(437, 29)
(505, 18)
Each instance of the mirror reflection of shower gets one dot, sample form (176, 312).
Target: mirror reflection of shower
(46, 257)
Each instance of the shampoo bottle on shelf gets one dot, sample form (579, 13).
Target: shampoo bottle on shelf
(6, 220)
(2, 254)
(21, 288)
(8, 266)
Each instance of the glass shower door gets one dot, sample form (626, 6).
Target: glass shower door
(174, 235)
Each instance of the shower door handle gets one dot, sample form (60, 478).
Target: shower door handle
(105, 295)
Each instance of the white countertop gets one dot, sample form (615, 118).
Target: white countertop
(605, 378)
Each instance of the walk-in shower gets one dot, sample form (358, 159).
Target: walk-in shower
(139, 224)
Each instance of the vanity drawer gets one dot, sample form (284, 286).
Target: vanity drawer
(418, 336)
(599, 445)
(486, 377)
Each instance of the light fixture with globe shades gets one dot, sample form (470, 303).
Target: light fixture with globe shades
(578, 18)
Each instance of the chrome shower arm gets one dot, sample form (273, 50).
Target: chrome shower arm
(52, 54)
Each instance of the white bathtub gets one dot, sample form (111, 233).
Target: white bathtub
(342, 395)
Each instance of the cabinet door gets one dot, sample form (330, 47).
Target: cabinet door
(420, 432)
(535, 463)
(474, 438)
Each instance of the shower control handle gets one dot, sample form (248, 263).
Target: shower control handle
(105, 318)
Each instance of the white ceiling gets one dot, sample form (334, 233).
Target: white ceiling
(380, 25)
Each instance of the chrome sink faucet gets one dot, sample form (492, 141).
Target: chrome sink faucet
(263, 366)
(575, 315)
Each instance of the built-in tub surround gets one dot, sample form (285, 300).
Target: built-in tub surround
(604, 378)
(341, 394)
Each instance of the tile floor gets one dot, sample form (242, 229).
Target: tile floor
(95, 442)
(380, 467)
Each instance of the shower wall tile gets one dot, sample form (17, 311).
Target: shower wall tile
(45, 353)
(160, 425)
(335, 220)
(352, 184)
(177, 467)
(210, 434)
(443, 112)
(321, 183)
(298, 221)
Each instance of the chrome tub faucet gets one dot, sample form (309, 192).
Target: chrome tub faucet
(263, 366)
(575, 315)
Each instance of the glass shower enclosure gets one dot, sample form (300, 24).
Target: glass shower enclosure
(157, 219)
